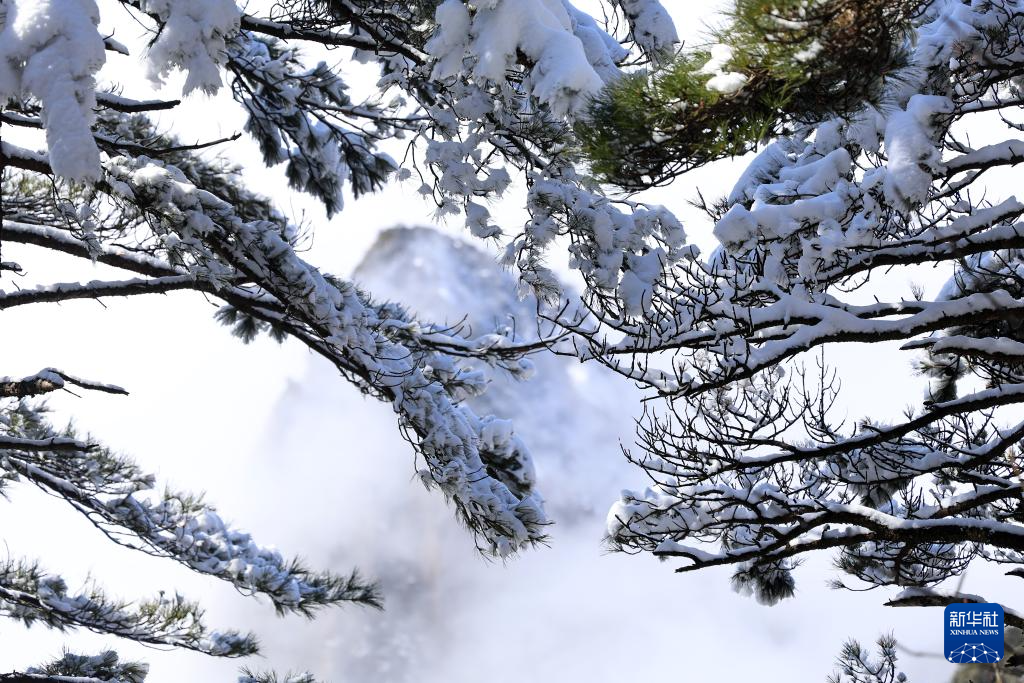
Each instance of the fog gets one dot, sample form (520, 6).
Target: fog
(289, 451)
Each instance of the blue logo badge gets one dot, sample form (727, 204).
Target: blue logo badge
(974, 632)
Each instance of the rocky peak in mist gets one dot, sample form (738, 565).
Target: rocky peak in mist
(441, 598)
(571, 416)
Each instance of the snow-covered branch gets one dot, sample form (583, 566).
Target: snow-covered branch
(751, 463)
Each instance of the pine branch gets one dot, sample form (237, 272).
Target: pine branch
(47, 380)
(65, 291)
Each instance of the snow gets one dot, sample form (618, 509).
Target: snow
(725, 82)
(52, 50)
(636, 286)
(193, 39)
(763, 168)
(451, 39)
(816, 176)
(602, 50)
(721, 54)
(650, 25)
(1008, 151)
(478, 221)
(561, 75)
(737, 227)
(619, 247)
(810, 52)
(997, 347)
(911, 149)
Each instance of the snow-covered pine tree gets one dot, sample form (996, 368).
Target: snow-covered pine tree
(752, 464)
(478, 92)
(774, 65)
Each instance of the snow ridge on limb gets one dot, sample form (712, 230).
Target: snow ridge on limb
(932, 597)
(47, 380)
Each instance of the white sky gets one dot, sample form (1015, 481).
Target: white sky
(295, 456)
